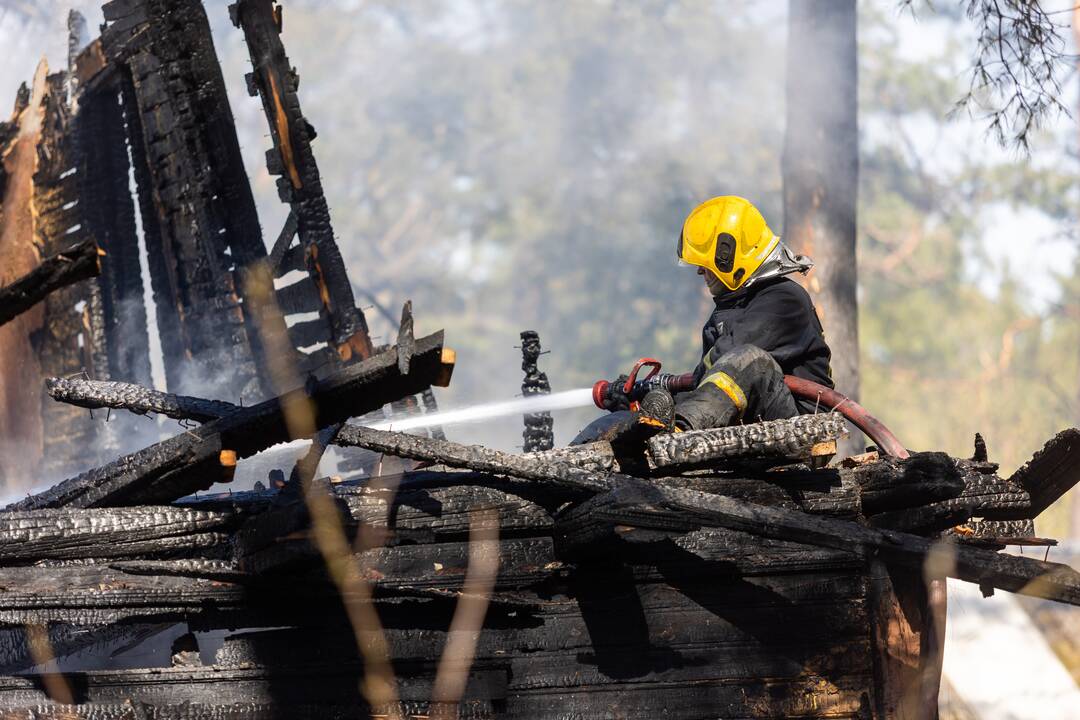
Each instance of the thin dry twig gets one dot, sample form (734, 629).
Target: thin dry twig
(41, 651)
(378, 685)
(468, 621)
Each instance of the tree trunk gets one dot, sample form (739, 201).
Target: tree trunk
(821, 168)
(1074, 499)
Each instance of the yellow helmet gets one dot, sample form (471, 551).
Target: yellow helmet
(729, 237)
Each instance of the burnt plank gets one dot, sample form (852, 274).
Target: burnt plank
(299, 183)
(643, 505)
(785, 439)
(921, 478)
(1052, 471)
(56, 271)
(193, 191)
(442, 513)
(188, 462)
(134, 398)
(107, 211)
(95, 594)
(825, 491)
(33, 535)
(475, 457)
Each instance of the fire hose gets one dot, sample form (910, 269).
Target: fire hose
(824, 397)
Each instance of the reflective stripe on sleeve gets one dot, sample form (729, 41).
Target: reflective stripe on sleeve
(729, 387)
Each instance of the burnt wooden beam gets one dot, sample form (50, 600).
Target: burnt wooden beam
(641, 504)
(293, 160)
(439, 514)
(107, 212)
(198, 212)
(56, 271)
(794, 438)
(539, 433)
(141, 400)
(891, 484)
(825, 492)
(191, 461)
(596, 456)
(67, 534)
(134, 398)
(1052, 471)
(144, 589)
(476, 457)
(95, 594)
(318, 690)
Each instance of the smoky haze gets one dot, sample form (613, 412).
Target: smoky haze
(518, 165)
(521, 165)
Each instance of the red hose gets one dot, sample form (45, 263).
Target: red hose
(827, 399)
(832, 400)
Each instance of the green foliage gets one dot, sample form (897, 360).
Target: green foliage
(942, 357)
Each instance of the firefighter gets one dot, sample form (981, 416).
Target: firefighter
(763, 325)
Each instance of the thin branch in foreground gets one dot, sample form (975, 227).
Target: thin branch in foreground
(1019, 58)
(468, 621)
(56, 686)
(378, 686)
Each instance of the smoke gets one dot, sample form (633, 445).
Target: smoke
(516, 165)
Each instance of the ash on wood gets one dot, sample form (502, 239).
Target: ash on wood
(788, 439)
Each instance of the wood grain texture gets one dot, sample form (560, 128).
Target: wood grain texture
(787, 439)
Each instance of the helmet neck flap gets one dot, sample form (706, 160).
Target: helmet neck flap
(781, 261)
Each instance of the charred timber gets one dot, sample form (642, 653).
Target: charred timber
(641, 504)
(140, 400)
(57, 271)
(475, 457)
(292, 159)
(538, 433)
(787, 439)
(191, 461)
(68, 534)
(198, 211)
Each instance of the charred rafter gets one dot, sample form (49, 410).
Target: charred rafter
(191, 461)
(57, 271)
(327, 288)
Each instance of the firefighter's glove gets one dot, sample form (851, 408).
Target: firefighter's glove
(615, 399)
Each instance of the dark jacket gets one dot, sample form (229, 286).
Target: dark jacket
(776, 316)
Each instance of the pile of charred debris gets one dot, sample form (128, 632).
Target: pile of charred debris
(720, 570)
(720, 573)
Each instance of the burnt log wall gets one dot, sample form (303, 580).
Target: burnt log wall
(198, 213)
